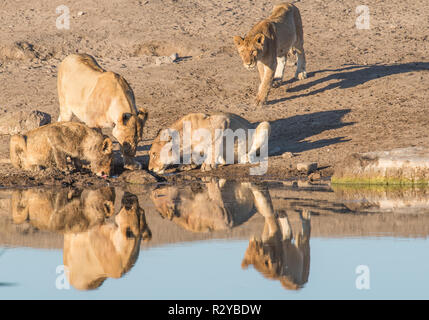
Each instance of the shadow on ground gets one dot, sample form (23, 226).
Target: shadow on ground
(288, 135)
(348, 77)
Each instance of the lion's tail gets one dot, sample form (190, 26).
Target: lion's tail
(18, 149)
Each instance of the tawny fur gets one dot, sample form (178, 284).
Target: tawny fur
(108, 250)
(211, 122)
(267, 45)
(50, 145)
(95, 247)
(101, 99)
(212, 206)
(64, 209)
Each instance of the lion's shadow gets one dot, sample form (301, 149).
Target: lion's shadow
(348, 77)
(289, 134)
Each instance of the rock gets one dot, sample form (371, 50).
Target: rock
(315, 176)
(80, 13)
(21, 50)
(21, 122)
(375, 198)
(287, 155)
(166, 60)
(307, 167)
(397, 166)
(138, 177)
(174, 57)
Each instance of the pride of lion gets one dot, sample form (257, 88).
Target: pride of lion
(103, 99)
(99, 243)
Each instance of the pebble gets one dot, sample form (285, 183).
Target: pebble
(308, 167)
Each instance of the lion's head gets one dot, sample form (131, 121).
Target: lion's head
(129, 131)
(161, 153)
(251, 49)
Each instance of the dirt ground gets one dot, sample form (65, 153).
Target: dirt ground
(367, 90)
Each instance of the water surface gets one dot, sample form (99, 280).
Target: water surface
(214, 240)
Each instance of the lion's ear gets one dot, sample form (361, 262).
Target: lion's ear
(125, 117)
(142, 114)
(108, 209)
(107, 145)
(238, 41)
(260, 39)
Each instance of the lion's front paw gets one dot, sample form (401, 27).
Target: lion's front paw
(276, 83)
(260, 102)
(208, 166)
(302, 75)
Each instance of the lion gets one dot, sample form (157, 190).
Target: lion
(205, 207)
(101, 99)
(97, 242)
(108, 250)
(50, 145)
(201, 132)
(277, 256)
(268, 44)
(62, 210)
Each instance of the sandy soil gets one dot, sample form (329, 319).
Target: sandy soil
(367, 89)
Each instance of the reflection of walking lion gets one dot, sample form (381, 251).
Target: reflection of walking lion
(222, 205)
(276, 255)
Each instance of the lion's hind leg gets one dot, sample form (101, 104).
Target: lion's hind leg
(301, 74)
(259, 141)
(18, 151)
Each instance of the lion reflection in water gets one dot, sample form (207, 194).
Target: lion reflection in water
(98, 244)
(221, 205)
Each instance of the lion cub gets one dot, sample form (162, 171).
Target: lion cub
(267, 45)
(50, 145)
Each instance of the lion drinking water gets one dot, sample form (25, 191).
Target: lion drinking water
(50, 145)
(101, 99)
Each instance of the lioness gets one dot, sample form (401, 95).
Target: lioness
(213, 206)
(277, 256)
(267, 45)
(62, 210)
(50, 145)
(101, 99)
(217, 126)
(107, 250)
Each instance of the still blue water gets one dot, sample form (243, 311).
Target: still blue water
(398, 269)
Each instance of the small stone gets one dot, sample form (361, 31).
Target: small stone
(308, 167)
(138, 177)
(315, 176)
(166, 60)
(287, 155)
(80, 13)
(174, 57)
